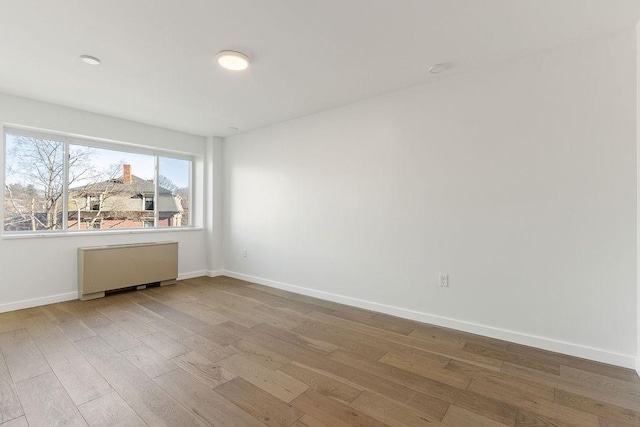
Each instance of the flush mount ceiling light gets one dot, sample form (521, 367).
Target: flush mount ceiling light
(439, 68)
(232, 60)
(91, 60)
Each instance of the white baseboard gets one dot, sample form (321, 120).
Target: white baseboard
(638, 365)
(35, 302)
(192, 274)
(577, 350)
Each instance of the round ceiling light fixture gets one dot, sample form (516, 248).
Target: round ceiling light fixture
(91, 60)
(439, 68)
(232, 60)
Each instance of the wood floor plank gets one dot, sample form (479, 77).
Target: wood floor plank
(203, 369)
(276, 301)
(22, 356)
(624, 374)
(92, 319)
(459, 417)
(224, 351)
(148, 361)
(492, 408)
(360, 316)
(531, 402)
(81, 381)
(164, 345)
(171, 329)
(150, 402)
(292, 337)
(385, 340)
(277, 383)
(133, 324)
(275, 317)
(391, 412)
(528, 419)
(426, 367)
(74, 328)
(575, 385)
(440, 334)
(505, 356)
(10, 406)
(110, 410)
(600, 381)
(608, 411)
(233, 313)
(390, 323)
(323, 384)
(353, 376)
(353, 342)
(259, 354)
(332, 412)
(10, 322)
(116, 337)
(201, 312)
(29, 312)
(188, 322)
(45, 402)
(206, 347)
(260, 404)
(308, 421)
(203, 402)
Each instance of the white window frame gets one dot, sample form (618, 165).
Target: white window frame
(86, 141)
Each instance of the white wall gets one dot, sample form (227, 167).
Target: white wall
(519, 181)
(638, 192)
(41, 270)
(213, 222)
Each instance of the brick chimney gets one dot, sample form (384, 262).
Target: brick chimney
(126, 174)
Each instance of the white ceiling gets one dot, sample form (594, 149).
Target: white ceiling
(307, 55)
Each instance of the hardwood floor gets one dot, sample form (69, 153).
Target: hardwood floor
(225, 352)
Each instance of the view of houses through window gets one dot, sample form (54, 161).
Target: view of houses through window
(94, 189)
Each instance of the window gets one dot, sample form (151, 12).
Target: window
(56, 183)
(174, 184)
(148, 203)
(94, 203)
(94, 224)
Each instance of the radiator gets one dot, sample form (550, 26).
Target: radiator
(106, 268)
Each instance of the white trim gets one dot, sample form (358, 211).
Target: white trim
(215, 273)
(192, 274)
(94, 142)
(36, 302)
(572, 349)
(36, 235)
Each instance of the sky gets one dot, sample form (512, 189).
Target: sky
(142, 166)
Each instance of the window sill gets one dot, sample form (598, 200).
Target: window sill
(82, 233)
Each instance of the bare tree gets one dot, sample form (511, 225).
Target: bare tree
(166, 183)
(38, 164)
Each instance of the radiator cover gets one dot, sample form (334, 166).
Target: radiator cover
(106, 268)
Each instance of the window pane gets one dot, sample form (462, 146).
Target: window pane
(110, 190)
(34, 172)
(173, 192)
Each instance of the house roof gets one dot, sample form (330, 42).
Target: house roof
(125, 197)
(137, 185)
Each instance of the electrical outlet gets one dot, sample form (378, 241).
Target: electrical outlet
(244, 253)
(444, 280)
